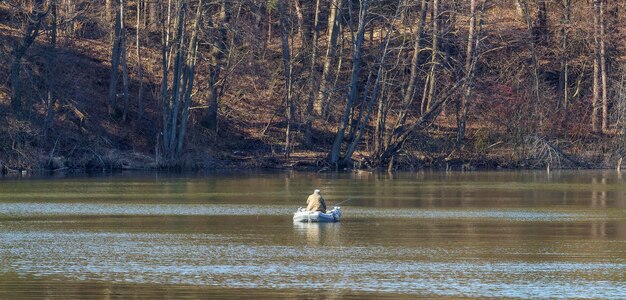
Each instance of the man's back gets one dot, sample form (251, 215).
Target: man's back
(315, 202)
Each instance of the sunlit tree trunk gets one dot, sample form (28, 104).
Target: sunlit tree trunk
(69, 15)
(432, 79)
(519, 9)
(596, 66)
(304, 29)
(603, 66)
(107, 10)
(313, 80)
(565, 57)
(470, 61)
(139, 64)
(287, 67)
(325, 88)
(123, 58)
(411, 87)
(534, 61)
(153, 19)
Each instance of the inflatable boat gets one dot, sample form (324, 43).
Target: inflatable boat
(302, 215)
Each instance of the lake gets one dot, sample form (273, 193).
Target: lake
(501, 234)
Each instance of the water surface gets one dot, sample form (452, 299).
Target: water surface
(482, 234)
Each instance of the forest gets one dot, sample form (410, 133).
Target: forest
(312, 84)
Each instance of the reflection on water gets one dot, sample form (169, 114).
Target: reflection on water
(494, 234)
(319, 234)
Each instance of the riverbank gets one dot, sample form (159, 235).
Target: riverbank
(116, 160)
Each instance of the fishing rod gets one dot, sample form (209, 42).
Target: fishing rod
(337, 204)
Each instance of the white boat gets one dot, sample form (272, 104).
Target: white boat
(302, 215)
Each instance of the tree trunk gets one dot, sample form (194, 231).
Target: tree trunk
(216, 63)
(51, 61)
(115, 60)
(284, 33)
(519, 9)
(470, 57)
(374, 95)
(399, 138)
(325, 88)
(410, 92)
(170, 103)
(139, 65)
(380, 129)
(533, 53)
(107, 10)
(433, 62)
(356, 65)
(188, 78)
(123, 56)
(603, 66)
(32, 31)
(153, 19)
(596, 66)
(68, 17)
(565, 59)
(177, 76)
(313, 80)
(165, 46)
(304, 30)
(269, 30)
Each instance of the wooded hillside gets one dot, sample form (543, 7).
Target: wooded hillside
(400, 84)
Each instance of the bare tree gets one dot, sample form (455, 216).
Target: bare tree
(115, 59)
(217, 55)
(471, 56)
(176, 104)
(411, 92)
(432, 80)
(369, 99)
(139, 59)
(357, 45)
(565, 58)
(33, 26)
(534, 60)
(331, 50)
(313, 80)
(123, 57)
(153, 15)
(50, 61)
(284, 33)
(603, 66)
(596, 66)
(107, 10)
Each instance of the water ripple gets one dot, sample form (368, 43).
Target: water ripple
(215, 260)
(82, 209)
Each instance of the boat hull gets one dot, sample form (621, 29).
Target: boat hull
(302, 215)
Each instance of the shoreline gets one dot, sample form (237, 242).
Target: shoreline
(275, 163)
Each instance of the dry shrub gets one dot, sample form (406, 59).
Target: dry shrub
(540, 153)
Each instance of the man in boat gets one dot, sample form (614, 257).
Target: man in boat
(315, 202)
